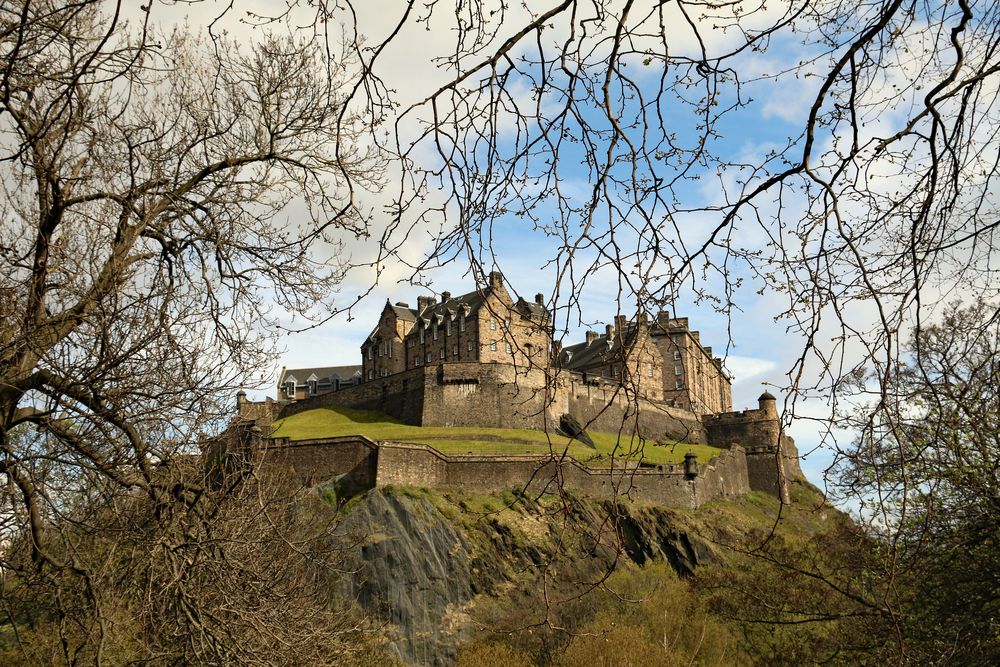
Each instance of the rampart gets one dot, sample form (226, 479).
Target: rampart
(363, 464)
(507, 396)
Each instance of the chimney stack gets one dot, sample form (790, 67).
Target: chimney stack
(609, 330)
(540, 299)
(445, 297)
(591, 337)
(621, 324)
(402, 304)
(495, 280)
(424, 302)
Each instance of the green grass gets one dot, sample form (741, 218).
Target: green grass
(330, 422)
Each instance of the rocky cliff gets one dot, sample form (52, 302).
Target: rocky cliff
(429, 564)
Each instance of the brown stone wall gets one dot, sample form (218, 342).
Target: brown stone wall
(315, 461)
(419, 465)
(400, 396)
(608, 406)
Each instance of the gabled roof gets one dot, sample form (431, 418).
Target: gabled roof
(472, 300)
(323, 374)
(598, 352)
(404, 313)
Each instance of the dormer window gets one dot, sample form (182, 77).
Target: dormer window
(312, 387)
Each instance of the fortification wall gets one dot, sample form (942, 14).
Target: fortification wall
(490, 395)
(606, 406)
(315, 461)
(400, 396)
(367, 464)
(506, 396)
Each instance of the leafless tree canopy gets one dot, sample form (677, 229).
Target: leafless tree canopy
(169, 193)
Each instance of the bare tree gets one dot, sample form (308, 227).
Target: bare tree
(146, 243)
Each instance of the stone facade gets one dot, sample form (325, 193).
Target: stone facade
(693, 378)
(625, 354)
(483, 326)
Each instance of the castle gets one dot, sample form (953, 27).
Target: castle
(483, 359)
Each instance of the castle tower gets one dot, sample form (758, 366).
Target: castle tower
(771, 455)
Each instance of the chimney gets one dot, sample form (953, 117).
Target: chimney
(495, 280)
(708, 351)
(424, 302)
(591, 337)
(540, 299)
(402, 304)
(697, 336)
(445, 297)
(621, 324)
(609, 330)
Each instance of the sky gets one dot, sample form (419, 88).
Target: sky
(759, 347)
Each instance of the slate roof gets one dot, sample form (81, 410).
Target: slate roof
(473, 300)
(324, 374)
(598, 352)
(404, 313)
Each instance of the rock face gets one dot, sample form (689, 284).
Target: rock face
(418, 569)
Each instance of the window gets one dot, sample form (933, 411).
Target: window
(678, 384)
(493, 324)
(454, 349)
(435, 332)
(677, 354)
(649, 372)
(371, 352)
(510, 350)
(416, 362)
(461, 323)
(447, 331)
(493, 345)
(441, 353)
(312, 387)
(470, 345)
(604, 372)
(429, 357)
(290, 389)
(421, 335)
(617, 370)
(371, 374)
(507, 323)
(678, 370)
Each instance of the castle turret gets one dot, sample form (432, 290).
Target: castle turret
(768, 404)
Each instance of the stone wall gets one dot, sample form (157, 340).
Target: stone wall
(367, 464)
(315, 461)
(495, 395)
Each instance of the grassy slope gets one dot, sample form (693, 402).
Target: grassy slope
(327, 422)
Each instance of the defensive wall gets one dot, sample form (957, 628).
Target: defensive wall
(758, 455)
(506, 396)
(360, 464)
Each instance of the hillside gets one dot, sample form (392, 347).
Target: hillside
(515, 580)
(330, 422)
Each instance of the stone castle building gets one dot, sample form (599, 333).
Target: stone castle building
(662, 360)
